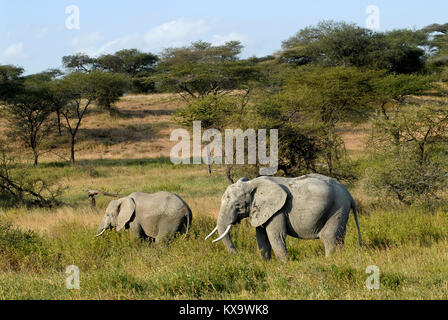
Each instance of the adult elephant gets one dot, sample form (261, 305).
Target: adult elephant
(309, 207)
(156, 216)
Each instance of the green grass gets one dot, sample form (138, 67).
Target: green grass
(36, 246)
(413, 264)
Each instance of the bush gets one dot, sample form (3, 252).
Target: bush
(404, 177)
(19, 186)
(24, 250)
(407, 145)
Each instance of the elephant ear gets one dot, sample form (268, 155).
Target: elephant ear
(268, 199)
(127, 210)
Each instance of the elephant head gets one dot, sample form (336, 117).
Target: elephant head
(118, 214)
(257, 200)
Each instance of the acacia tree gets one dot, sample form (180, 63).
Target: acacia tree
(202, 69)
(44, 81)
(109, 88)
(341, 44)
(391, 92)
(29, 114)
(78, 91)
(79, 62)
(299, 146)
(29, 109)
(11, 81)
(79, 94)
(412, 167)
(328, 96)
(132, 62)
(204, 76)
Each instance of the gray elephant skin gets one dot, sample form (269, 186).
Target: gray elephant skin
(156, 216)
(308, 207)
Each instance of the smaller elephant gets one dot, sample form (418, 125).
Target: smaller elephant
(156, 216)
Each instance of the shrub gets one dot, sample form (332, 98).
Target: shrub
(19, 186)
(408, 145)
(24, 250)
(411, 182)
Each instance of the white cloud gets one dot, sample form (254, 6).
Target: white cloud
(14, 52)
(112, 46)
(176, 33)
(86, 39)
(115, 45)
(219, 40)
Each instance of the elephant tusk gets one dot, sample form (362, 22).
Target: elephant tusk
(224, 234)
(101, 233)
(213, 232)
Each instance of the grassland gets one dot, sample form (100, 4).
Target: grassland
(409, 246)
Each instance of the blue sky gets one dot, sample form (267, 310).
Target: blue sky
(33, 34)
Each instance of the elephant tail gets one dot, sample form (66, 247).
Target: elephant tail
(189, 220)
(355, 213)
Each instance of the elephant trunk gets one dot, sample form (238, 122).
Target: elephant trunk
(103, 227)
(224, 233)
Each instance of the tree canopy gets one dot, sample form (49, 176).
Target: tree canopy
(202, 69)
(341, 44)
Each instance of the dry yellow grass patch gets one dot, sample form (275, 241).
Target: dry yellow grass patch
(42, 221)
(355, 137)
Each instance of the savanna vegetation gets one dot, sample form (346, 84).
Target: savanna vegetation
(368, 108)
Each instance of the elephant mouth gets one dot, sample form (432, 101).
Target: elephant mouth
(240, 218)
(237, 221)
(102, 231)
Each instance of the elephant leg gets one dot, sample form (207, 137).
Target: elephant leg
(276, 230)
(333, 233)
(137, 230)
(167, 230)
(263, 243)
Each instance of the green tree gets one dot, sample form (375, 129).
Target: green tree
(29, 113)
(11, 81)
(132, 62)
(412, 166)
(214, 112)
(45, 82)
(391, 92)
(79, 91)
(79, 62)
(109, 88)
(299, 145)
(327, 96)
(202, 69)
(341, 44)
(137, 65)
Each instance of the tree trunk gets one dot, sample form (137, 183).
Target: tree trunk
(58, 113)
(36, 158)
(72, 150)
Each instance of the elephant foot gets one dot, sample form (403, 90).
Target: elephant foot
(282, 257)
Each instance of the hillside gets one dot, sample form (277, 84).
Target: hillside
(141, 130)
